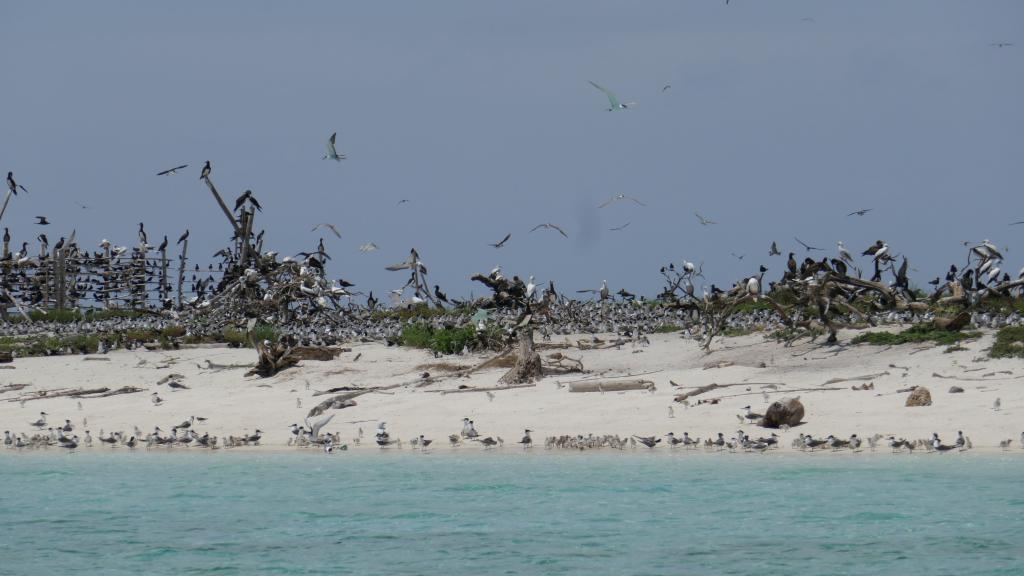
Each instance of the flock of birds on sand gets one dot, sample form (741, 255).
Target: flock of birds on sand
(313, 435)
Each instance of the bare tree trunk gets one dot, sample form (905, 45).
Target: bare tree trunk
(528, 365)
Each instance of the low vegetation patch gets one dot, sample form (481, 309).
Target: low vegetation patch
(1009, 343)
(919, 333)
(450, 340)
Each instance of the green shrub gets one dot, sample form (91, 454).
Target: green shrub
(918, 333)
(1009, 343)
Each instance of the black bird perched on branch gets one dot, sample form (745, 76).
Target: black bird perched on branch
(174, 170)
(873, 249)
(183, 237)
(247, 195)
(440, 295)
(163, 245)
(142, 234)
(206, 171)
(14, 185)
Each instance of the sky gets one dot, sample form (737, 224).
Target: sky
(781, 118)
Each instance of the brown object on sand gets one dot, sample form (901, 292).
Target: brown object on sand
(919, 397)
(611, 386)
(954, 324)
(6, 356)
(787, 411)
(272, 359)
(321, 353)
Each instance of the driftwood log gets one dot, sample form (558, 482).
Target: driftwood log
(272, 359)
(611, 386)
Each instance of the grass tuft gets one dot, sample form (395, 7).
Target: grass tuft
(1009, 343)
(919, 333)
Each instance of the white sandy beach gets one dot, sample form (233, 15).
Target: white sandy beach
(235, 404)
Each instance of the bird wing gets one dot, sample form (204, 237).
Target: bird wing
(611, 97)
(635, 200)
(1015, 223)
(537, 227)
(620, 227)
(314, 428)
(503, 240)
(560, 231)
(606, 202)
(331, 151)
(396, 267)
(172, 170)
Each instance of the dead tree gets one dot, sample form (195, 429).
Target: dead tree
(515, 295)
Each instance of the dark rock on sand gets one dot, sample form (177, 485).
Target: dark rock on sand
(787, 411)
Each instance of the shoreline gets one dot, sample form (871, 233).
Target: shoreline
(758, 371)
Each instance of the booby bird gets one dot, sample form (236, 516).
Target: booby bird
(807, 246)
(704, 221)
(206, 171)
(873, 249)
(14, 186)
(42, 221)
(859, 212)
(619, 197)
(501, 242)
(332, 153)
(172, 171)
(550, 226)
(613, 101)
(881, 252)
(844, 254)
(774, 250)
(329, 226)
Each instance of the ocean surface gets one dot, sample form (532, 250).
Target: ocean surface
(511, 513)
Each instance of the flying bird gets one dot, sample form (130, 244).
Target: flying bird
(402, 201)
(332, 153)
(1001, 44)
(368, 247)
(329, 226)
(859, 212)
(550, 226)
(14, 185)
(704, 221)
(206, 171)
(42, 221)
(503, 240)
(613, 101)
(617, 228)
(774, 250)
(666, 87)
(1015, 223)
(809, 248)
(174, 170)
(618, 197)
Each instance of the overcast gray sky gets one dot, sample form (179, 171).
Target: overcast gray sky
(782, 117)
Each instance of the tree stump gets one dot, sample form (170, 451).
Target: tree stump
(528, 364)
(272, 359)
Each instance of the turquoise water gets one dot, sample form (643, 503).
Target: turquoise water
(510, 514)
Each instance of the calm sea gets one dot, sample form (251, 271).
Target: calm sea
(511, 513)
